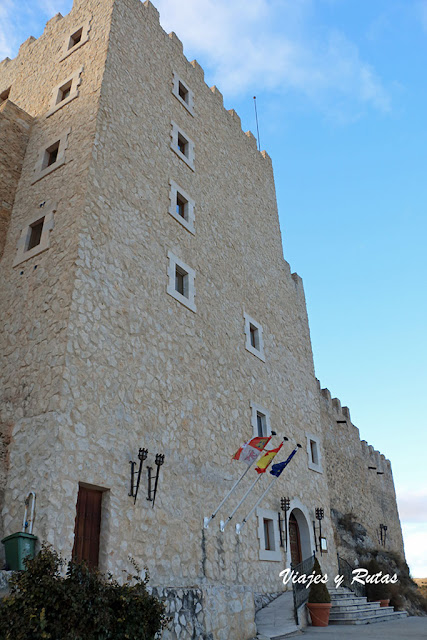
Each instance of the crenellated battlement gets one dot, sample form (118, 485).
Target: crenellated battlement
(376, 458)
(152, 14)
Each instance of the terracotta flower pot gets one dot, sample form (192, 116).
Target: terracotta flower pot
(319, 613)
(384, 603)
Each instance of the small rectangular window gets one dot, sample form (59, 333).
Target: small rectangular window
(51, 155)
(35, 234)
(269, 535)
(254, 338)
(181, 206)
(183, 92)
(181, 281)
(75, 38)
(260, 420)
(4, 95)
(183, 145)
(261, 423)
(64, 91)
(314, 452)
(254, 334)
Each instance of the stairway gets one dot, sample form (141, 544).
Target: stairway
(347, 608)
(276, 621)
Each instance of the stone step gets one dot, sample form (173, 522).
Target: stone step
(390, 617)
(345, 602)
(357, 606)
(362, 612)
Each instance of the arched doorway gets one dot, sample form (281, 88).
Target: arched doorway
(300, 545)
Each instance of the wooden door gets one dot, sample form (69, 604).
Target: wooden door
(88, 526)
(294, 540)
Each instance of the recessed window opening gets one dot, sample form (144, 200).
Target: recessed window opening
(65, 91)
(261, 421)
(75, 38)
(181, 281)
(35, 234)
(181, 206)
(254, 336)
(183, 92)
(269, 535)
(314, 452)
(182, 144)
(4, 95)
(50, 155)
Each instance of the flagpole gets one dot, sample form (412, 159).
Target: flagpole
(206, 520)
(239, 527)
(224, 524)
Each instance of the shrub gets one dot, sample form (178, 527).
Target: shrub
(318, 592)
(375, 592)
(82, 605)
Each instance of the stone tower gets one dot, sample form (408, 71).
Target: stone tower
(146, 304)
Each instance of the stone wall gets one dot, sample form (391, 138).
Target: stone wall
(360, 483)
(36, 295)
(101, 360)
(15, 127)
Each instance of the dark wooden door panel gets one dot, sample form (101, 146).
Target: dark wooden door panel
(88, 526)
(294, 540)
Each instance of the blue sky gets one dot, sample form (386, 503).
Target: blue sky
(342, 103)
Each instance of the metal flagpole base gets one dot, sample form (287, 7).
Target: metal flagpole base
(206, 522)
(238, 527)
(222, 526)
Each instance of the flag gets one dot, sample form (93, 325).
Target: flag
(277, 469)
(267, 458)
(250, 451)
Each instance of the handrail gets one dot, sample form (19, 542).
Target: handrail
(299, 590)
(345, 569)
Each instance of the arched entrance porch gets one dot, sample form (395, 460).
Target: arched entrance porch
(300, 536)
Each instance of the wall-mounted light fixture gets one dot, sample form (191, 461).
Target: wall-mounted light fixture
(319, 516)
(285, 505)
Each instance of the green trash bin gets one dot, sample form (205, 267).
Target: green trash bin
(19, 546)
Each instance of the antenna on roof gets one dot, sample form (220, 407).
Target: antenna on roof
(257, 127)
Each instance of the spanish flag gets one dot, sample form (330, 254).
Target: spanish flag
(266, 459)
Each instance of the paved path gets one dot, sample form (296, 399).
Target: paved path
(413, 628)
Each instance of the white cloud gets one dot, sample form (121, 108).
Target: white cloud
(413, 514)
(245, 45)
(19, 19)
(412, 506)
(415, 537)
(260, 45)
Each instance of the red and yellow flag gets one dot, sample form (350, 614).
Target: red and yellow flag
(266, 459)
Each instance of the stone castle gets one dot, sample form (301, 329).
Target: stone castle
(145, 303)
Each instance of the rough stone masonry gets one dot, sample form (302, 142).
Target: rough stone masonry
(145, 302)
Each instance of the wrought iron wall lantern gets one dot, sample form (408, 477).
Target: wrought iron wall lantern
(285, 505)
(134, 485)
(160, 458)
(382, 534)
(320, 546)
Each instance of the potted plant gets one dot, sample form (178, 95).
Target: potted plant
(319, 600)
(377, 592)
